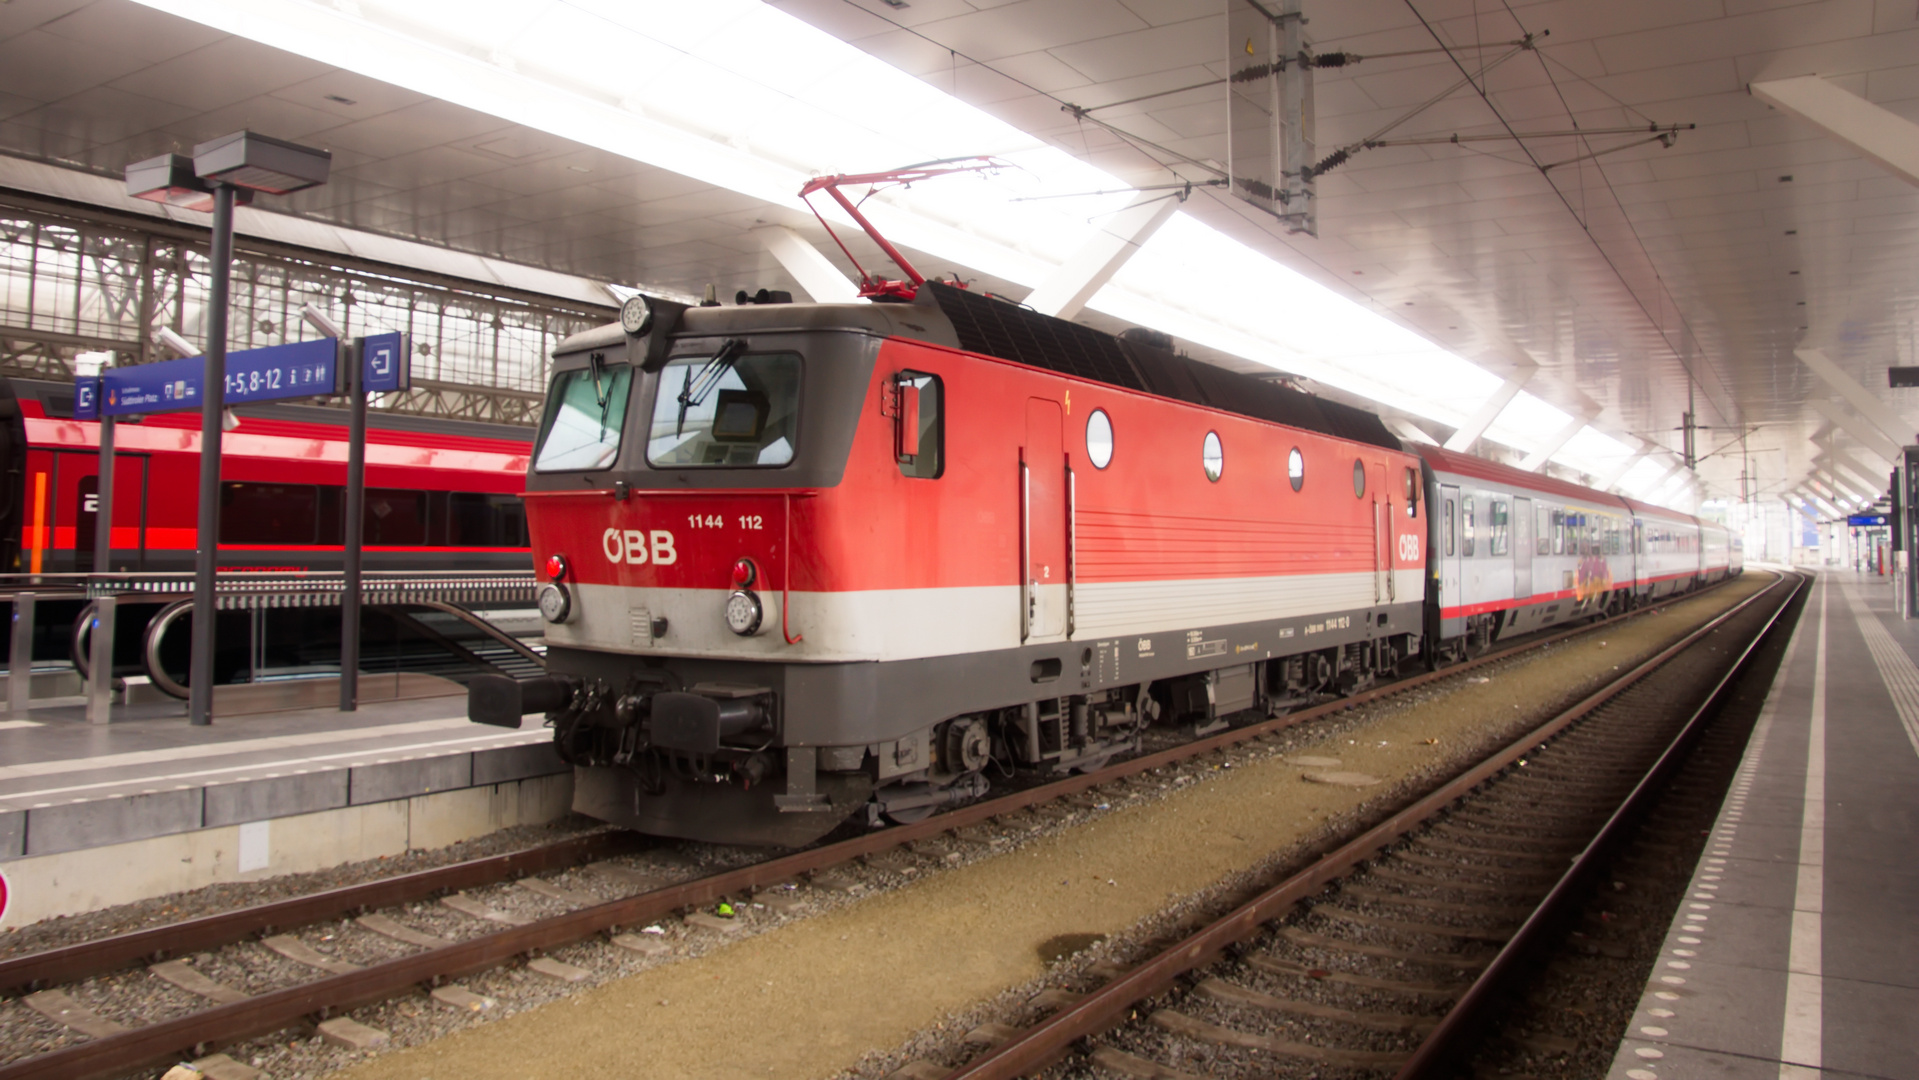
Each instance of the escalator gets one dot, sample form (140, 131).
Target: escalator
(289, 646)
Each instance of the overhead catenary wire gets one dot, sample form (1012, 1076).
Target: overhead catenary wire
(1583, 224)
(1632, 226)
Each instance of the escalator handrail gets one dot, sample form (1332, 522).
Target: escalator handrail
(150, 648)
(483, 626)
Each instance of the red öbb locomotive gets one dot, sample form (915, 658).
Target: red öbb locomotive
(804, 559)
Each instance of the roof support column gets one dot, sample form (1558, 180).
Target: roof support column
(1849, 470)
(1895, 427)
(1879, 134)
(1606, 482)
(1489, 410)
(1657, 485)
(1534, 461)
(1088, 270)
(812, 270)
(1869, 436)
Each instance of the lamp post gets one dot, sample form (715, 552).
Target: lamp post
(224, 171)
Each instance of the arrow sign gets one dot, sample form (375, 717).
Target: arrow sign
(386, 363)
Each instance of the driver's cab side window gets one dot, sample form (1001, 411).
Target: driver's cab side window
(919, 425)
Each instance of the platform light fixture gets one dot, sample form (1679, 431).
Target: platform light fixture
(223, 173)
(170, 180)
(253, 162)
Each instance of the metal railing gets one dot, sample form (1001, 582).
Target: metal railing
(255, 590)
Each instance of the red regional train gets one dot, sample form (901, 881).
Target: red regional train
(803, 559)
(441, 494)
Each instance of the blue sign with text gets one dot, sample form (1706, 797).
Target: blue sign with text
(1866, 521)
(385, 363)
(296, 369)
(86, 397)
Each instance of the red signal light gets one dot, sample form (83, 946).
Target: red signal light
(555, 567)
(744, 573)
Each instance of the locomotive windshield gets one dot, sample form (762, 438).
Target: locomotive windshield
(584, 414)
(726, 410)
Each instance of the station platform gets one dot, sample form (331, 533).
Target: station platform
(93, 815)
(1796, 952)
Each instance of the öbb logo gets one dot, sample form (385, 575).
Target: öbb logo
(630, 546)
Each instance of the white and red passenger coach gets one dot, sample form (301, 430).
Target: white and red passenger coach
(801, 559)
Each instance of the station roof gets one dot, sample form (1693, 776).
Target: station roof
(1618, 284)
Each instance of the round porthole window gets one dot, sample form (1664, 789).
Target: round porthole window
(1296, 469)
(1099, 439)
(1359, 479)
(1213, 456)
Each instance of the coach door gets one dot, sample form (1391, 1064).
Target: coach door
(1043, 525)
(1446, 551)
(1522, 548)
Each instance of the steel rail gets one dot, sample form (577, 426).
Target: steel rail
(157, 1043)
(1470, 1010)
(1043, 1043)
(103, 955)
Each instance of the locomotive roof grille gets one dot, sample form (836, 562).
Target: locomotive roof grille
(1010, 332)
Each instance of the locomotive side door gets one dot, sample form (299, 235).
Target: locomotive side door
(1522, 548)
(1383, 538)
(1043, 533)
(1446, 552)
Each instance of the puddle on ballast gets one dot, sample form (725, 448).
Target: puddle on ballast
(1055, 949)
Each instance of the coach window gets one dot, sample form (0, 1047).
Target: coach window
(1452, 527)
(1099, 439)
(1412, 493)
(1467, 527)
(394, 517)
(1359, 479)
(1500, 528)
(1542, 530)
(923, 405)
(268, 513)
(1296, 469)
(1213, 456)
(584, 414)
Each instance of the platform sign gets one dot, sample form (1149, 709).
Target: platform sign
(150, 388)
(296, 369)
(386, 363)
(1865, 521)
(86, 397)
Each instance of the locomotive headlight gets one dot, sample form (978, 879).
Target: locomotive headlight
(744, 573)
(636, 315)
(555, 602)
(555, 567)
(743, 613)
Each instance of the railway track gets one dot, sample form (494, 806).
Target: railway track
(1383, 956)
(391, 955)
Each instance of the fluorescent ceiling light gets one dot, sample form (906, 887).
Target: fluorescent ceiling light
(740, 95)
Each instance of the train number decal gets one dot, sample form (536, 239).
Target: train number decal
(631, 546)
(1409, 547)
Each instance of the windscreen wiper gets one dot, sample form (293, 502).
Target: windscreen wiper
(694, 390)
